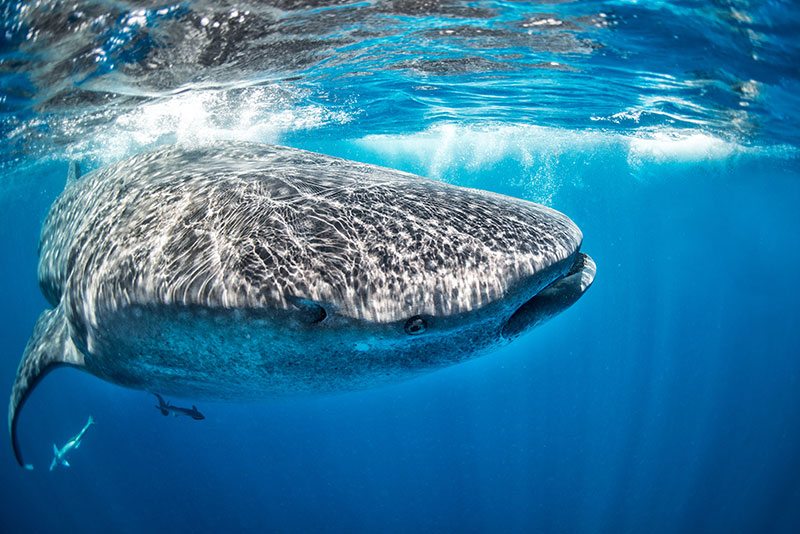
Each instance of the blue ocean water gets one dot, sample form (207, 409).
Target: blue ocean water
(666, 400)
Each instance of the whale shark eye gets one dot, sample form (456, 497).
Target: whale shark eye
(308, 311)
(415, 326)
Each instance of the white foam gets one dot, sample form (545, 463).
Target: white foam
(537, 161)
(259, 114)
(442, 147)
(681, 147)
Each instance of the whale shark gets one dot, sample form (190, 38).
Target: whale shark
(237, 271)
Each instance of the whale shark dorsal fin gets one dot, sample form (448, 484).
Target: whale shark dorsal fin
(49, 347)
(74, 172)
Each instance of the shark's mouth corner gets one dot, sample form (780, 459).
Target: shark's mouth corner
(552, 300)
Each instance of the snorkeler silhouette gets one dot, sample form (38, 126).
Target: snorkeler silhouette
(74, 443)
(166, 408)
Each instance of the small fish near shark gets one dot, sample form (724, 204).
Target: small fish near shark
(60, 455)
(166, 408)
(243, 271)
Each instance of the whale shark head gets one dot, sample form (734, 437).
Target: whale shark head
(487, 280)
(441, 270)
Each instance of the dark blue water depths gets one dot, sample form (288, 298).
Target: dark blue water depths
(666, 400)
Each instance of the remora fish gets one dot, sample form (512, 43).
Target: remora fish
(166, 408)
(241, 270)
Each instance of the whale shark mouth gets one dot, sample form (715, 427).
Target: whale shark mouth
(552, 300)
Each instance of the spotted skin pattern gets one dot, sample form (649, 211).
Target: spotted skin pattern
(245, 226)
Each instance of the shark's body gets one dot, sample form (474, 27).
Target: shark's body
(60, 455)
(241, 271)
(166, 408)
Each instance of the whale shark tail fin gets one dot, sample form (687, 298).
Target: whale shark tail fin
(74, 172)
(50, 346)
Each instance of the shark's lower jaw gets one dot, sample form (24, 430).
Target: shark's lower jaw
(553, 299)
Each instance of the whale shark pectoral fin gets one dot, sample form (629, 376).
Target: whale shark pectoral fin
(74, 172)
(553, 299)
(49, 347)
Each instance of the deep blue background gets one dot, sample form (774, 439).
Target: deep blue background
(665, 400)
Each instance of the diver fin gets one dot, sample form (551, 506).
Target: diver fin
(55, 449)
(74, 172)
(65, 463)
(553, 299)
(49, 347)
